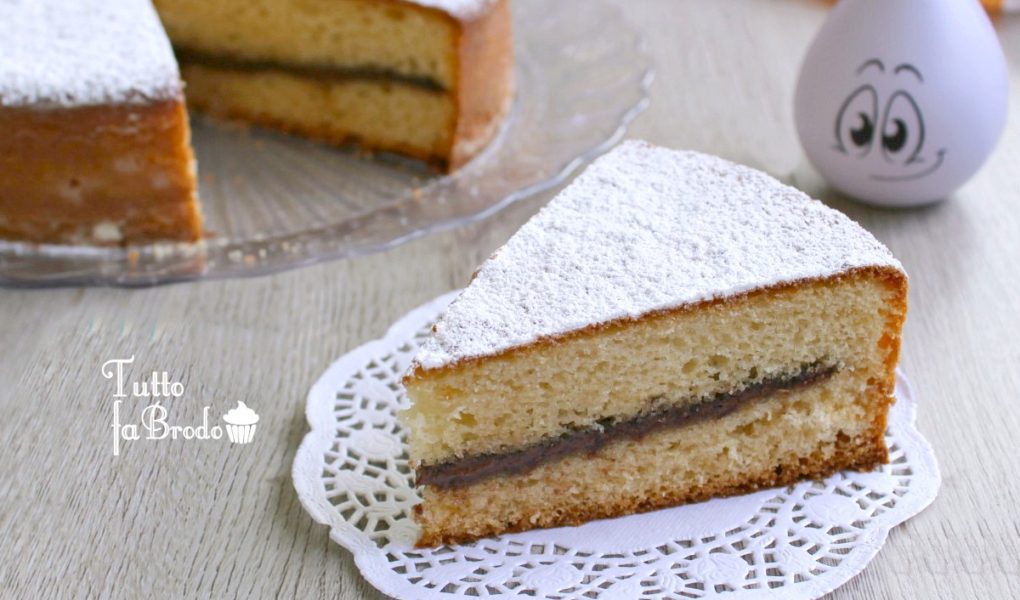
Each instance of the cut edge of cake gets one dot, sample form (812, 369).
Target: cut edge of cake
(444, 113)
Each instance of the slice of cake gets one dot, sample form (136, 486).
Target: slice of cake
(670, 328)
(95, 141)
(425, 78)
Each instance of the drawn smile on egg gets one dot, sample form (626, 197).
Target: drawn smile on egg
(899, 134)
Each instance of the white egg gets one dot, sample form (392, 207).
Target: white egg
(899, 102)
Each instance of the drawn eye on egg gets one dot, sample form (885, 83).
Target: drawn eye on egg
(902, 129)
(855, 123)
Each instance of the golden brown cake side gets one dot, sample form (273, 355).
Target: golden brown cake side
(485, 82)
(836, 422)
(106, 175)
(94, 145)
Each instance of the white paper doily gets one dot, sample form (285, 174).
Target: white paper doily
(798, 542)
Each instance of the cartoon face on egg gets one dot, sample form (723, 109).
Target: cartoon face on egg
(886, 129)
(899, 102)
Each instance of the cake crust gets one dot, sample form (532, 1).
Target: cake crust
(485, 82)
(98, 175)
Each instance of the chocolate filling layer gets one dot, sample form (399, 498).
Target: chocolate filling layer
(320, 72)
(472, 469)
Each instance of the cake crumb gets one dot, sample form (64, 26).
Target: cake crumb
(106, 232)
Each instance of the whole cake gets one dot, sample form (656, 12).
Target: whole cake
(96, 143)
(671, 327)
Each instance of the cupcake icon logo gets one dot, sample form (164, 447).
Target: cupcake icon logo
(241, 422)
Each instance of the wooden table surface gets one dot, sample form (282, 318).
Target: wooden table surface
(212, 520)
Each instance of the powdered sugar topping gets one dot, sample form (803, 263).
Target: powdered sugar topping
(462, 9)
(644, 229)
(59, 53)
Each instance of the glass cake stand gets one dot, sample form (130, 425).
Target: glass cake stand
(273, 202)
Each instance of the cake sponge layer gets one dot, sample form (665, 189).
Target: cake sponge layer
(374, 114)
(810, 432)
(401, 38)
(674, 358)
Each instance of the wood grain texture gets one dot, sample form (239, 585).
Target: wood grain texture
(208, 520)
